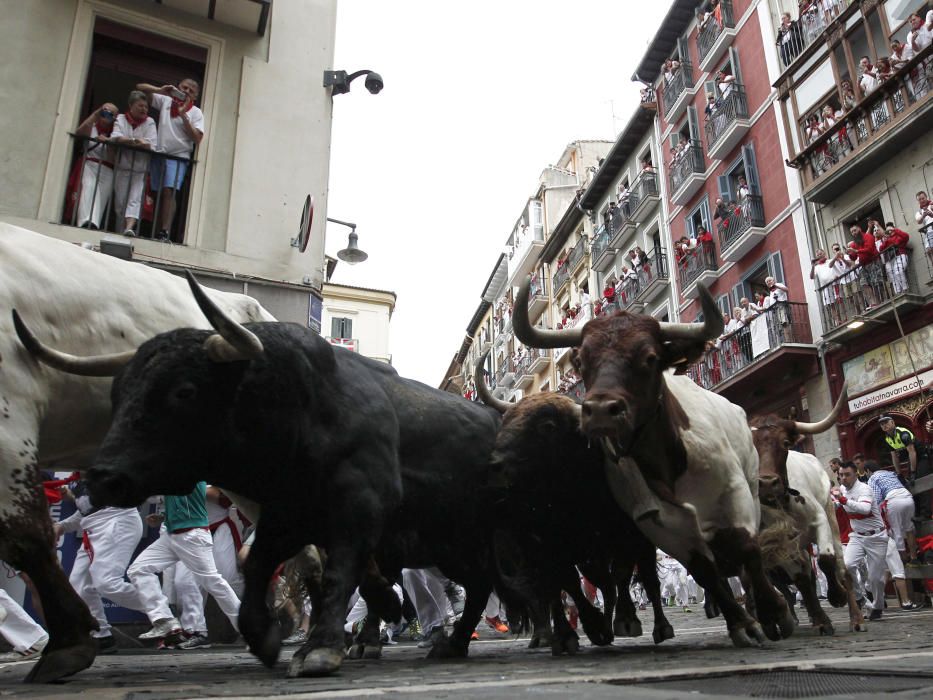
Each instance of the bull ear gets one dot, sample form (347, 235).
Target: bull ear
(232, 342)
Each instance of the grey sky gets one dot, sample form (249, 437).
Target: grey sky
(479, 97)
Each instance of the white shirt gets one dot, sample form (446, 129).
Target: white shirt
(779, 292)
(864, 515)
(869, 83)
(137, 161)
(174, 138)
(923, 37)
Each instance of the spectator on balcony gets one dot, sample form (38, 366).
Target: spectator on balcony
(646, 165)
(868, 81)
(779, 295)
(725, 82)
(896, 242)
(847, 97)
(181, 128)
(830, 10)
(703, 19)
(809, 15)
(609, 293)
(647, 95)
(134, 128)
(721, 212)
(670, 69)
(712, 106)
(884, 69)
(97, 170)
(900, 54)
(789, 40)
(924, 217)
(731, 341)
(744, 200)
(704, 241)
(921, 32)
(870, 274)
(826, 274)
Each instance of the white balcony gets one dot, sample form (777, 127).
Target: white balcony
(524, 256)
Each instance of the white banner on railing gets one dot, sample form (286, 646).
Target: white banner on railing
(904, 387)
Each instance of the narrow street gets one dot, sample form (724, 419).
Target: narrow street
(893, 655)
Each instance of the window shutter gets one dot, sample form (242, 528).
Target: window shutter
(674, 139)
(704, 213)
(725, 188)
(776, 267)
(710, 88)
(694, 123)
(683, 49)
(736, 70)
(335, 328)
(751, 167)
(723, 304)
(738, 291)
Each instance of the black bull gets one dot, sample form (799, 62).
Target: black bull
(336, 448)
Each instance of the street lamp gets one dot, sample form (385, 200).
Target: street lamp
(351, 254)
(339, 81)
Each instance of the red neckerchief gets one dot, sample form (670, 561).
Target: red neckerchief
(133, 121)
(104, 128)
(176, 110)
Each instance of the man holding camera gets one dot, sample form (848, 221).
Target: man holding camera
(97, 170)
(181, 128)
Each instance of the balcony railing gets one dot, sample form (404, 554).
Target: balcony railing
(680, 82)
(600, 243)
(688, 162)
(627, 291)
(577, 254)
(893, 103)
(112, 183)
(733, 106)
(707, 36)
(621, 216)
(352, 344)
(505, 373)
(749, 214)
(865, 287)
(782, 323)
(808, 28)
(654, 271)
(695, 262)
(537, 287)
(644, 188)
(560, 278)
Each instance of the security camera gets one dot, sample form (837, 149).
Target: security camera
(374, 82)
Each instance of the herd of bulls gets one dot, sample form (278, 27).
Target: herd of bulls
(384, 472)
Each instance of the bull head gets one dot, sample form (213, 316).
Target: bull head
(231, 343)
(773, 437)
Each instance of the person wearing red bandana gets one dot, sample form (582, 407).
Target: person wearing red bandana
(136, 129)
(181, 128)
(97, 171)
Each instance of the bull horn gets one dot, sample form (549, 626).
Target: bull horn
(483, 390)
(232, 342)
(536, 337)
(711, 327)
(828, 422)
(95, 366)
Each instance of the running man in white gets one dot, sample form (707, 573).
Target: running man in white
(109, 539)
(184, 537)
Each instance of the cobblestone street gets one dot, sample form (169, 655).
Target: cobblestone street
(894, 654)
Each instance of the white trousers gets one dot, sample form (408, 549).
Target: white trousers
(892, 560)
(96, 187)
(493, 606)
(897, 273)
(20, 630)
(194, 549)
(872, 549)
(901, 510)
(127, 193)
(112, 534)
(427, 594)
(190, 596)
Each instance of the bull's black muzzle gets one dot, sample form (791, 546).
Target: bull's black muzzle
(108, 487)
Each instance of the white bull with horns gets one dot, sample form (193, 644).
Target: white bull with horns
(87, 304)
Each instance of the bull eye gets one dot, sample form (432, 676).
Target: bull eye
(787, 444)
(184, 393)
(651, 359)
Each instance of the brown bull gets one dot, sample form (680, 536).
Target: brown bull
(682, 462)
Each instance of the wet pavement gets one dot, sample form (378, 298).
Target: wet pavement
(895, 654)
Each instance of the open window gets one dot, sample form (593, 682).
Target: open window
(698, 220)
(121, 57)
(754, 280)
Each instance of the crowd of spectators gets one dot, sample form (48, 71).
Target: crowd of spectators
(870, 269)
(813, 16)
(872, 76)
(124, 161)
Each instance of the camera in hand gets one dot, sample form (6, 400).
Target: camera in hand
(179, 95)
(106, 114)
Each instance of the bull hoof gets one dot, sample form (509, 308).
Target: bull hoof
(61, 663)
(826, 629)
(601, 636)
(534, 642)
(858, 626)
(662, 632)
(364, 651)
(627, 628)
(786, 624)
(267, 649)
(570, 645)
(711, 610)
(772, 632)
(740, 639)
(445, 649)
(318, 662)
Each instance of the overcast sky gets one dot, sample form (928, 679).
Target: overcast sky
(479, 98)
